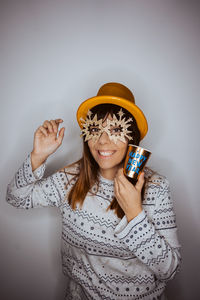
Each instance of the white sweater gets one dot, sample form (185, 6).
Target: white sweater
(103, 256)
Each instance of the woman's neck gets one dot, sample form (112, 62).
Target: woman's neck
(110, 173)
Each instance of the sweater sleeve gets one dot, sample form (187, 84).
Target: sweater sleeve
(29, 189)
(153, 239)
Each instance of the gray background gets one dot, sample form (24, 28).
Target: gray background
(54, 55)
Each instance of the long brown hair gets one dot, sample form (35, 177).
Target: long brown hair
(88, 171)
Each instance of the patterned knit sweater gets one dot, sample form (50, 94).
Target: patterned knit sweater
(103, 256)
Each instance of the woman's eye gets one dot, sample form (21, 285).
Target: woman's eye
(116, 130)
(94, 129)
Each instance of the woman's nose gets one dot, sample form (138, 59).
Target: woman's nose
(104, 138)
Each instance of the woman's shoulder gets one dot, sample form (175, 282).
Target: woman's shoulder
(155, 178)
(71, 169)
(157, 189)
(71, 173)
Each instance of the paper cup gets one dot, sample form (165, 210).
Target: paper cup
(136, 159)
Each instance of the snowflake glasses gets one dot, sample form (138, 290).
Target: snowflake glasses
(117, 130)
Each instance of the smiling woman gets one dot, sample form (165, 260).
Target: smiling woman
(119, 241)
(108, 154)
(107, 130)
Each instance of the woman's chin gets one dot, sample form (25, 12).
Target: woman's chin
(109, 166)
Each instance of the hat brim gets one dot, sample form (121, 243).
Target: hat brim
(127, 104)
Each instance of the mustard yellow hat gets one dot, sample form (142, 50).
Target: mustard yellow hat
(118, 94)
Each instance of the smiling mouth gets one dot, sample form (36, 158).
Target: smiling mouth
(106, 153)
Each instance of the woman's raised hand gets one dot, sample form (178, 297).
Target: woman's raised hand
(46, 140)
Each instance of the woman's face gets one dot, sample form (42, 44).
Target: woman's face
(107, 153)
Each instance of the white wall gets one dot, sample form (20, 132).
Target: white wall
(55, 54)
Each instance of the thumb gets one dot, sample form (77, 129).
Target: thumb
(61, 135)
(140, 182)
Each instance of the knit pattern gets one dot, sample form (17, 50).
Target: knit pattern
(103, 256)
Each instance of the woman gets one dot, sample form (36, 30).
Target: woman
(119, 241)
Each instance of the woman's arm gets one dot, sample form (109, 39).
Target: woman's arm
(153, 239)
(27, 188)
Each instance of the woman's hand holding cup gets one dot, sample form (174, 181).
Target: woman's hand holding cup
(46, 141)
(128, 195)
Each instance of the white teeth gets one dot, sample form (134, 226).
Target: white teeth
(103, 153)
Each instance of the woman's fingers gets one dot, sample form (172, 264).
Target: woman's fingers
(120, 183)
(48, 125)
(123, 182)
(140, 182)
(61, 135)
(52, 125)
(43, 130)
(122, 178)
(55, 124)
(59, 120)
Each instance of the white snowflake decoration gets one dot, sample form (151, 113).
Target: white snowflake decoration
(97, 126)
